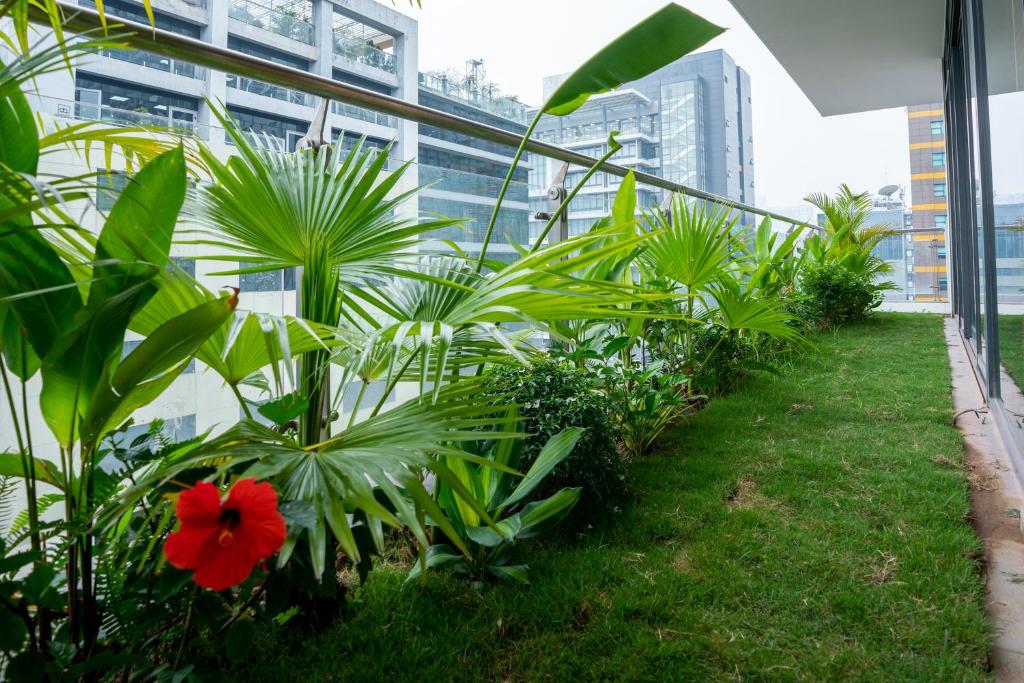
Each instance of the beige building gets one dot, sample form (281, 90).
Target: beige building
(928, 192)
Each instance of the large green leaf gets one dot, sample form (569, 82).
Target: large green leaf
(557, 449)
(667, 35)
(19, 141)
(136, 238)
(11, 465)
(137, 380)
(39, 288)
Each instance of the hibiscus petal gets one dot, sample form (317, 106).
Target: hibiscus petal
(224, 568)
(199, 505)
(261, 529)
(185, 548)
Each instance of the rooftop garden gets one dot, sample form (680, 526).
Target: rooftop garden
(629, 449)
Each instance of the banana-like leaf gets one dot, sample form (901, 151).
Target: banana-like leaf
(554, 451)
(667, 35)
(11, 465)
(148, 370)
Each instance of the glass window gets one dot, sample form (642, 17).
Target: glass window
(941, 221)
(267, 281)
(1004, 52)
(938, 159)
(939, 189)
(108, 188)
(938, 127)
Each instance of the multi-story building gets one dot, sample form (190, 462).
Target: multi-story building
(929, 280)
(928, 190)
(463, 174)
(689, 122)
(361, 42)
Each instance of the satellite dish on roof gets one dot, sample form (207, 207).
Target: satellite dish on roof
(889, 190)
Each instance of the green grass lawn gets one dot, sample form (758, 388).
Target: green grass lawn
(812, 526)
(1011, 346)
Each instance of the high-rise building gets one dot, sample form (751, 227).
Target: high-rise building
(463, 174)
(929, 280)
(689, 122)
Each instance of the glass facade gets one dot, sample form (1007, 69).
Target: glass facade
(682, 149)
(984, 87)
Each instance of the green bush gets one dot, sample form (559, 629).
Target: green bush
(836, 296)
(554, 396)
(718, 359)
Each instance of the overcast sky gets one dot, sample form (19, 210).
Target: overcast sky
(796, 150)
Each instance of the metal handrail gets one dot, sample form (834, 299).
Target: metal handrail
(144, 37)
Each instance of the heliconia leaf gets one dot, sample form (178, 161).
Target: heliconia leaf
(11, 465)
(19, 139)
(554, 451)
(137, 379)
(136, 236)
(537, 516)
(667, 35)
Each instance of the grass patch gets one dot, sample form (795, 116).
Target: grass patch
(812, 526)
(1011, 346)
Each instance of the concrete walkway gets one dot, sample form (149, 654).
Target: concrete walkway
(996, 501)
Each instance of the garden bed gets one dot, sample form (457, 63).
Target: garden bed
(809, 526)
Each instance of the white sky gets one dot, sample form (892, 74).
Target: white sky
(796, 150)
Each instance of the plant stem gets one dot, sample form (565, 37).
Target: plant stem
(242, 402)
(565, 204)
(504, 189)
(392, 383)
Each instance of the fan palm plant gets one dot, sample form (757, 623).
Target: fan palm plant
(336, 216)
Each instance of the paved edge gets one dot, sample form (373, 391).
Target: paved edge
(996, 504)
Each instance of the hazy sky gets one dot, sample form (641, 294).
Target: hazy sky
(796, 151)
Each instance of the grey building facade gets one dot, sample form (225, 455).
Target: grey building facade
(689, 122)
(462, 175)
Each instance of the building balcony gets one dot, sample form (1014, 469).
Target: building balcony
(288, 18)
(363, 114)
(151, 61)
(363, 52)
(276, 92)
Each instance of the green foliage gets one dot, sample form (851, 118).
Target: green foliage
(718, 359)
(644, 403)
(554, 396)
(487, 549)
(836, 296)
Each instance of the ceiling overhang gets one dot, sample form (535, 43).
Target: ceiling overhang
(855, 55)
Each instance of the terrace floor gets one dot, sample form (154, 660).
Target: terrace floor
(811, 526)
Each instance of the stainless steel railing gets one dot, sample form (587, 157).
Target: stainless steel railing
(158, 41)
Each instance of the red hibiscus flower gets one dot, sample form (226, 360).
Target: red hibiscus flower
(223, 541)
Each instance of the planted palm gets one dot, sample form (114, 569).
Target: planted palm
(335, 215)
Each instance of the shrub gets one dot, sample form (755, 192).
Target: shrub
(836, 296)
(554, 396)
(645, 402)
(718, 359)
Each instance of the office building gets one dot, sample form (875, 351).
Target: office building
(463, 174)
(928, 189)
(689, 122)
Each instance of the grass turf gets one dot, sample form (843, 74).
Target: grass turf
(812, 526)
(1011, 346)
